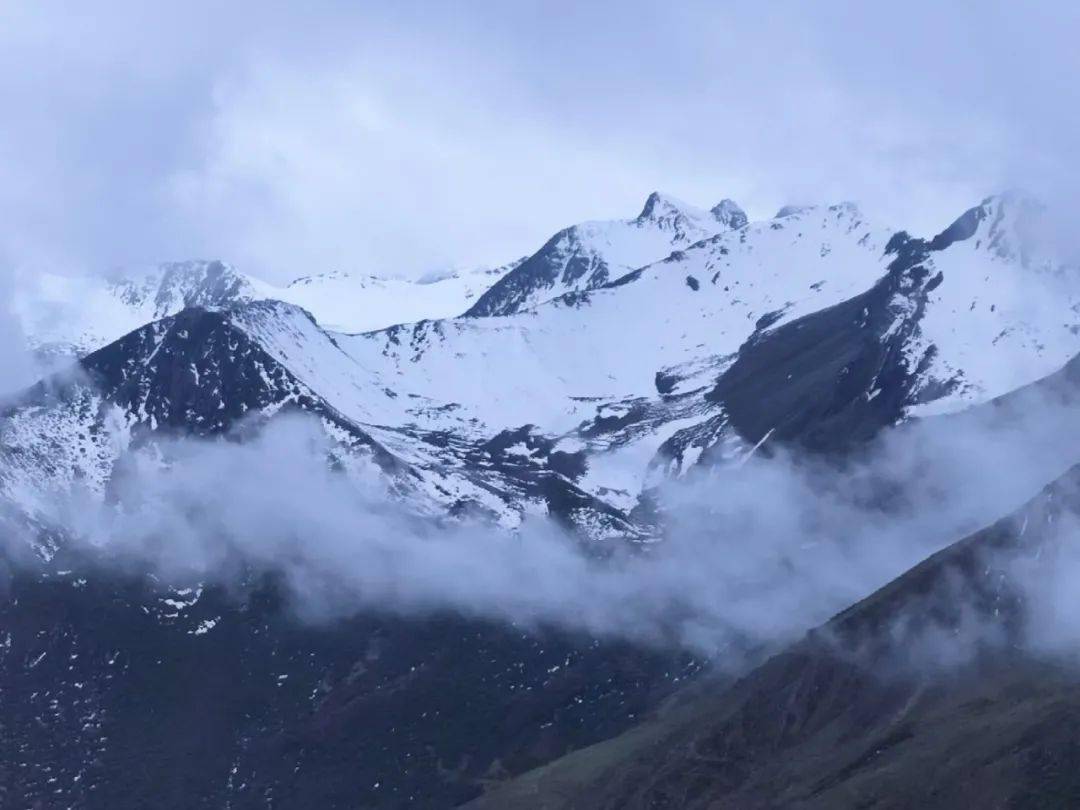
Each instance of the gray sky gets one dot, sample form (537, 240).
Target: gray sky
(402, 137)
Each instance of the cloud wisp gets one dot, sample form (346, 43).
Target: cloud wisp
(753, 555)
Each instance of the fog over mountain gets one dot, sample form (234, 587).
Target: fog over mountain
(754, 553)
(15, 359)
(659, 448)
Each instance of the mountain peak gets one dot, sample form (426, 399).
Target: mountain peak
(727, 212)
(665, 209)
(1006, 223)
(663, 205)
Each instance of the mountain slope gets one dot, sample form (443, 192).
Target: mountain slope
(120, 692)
(216, 372)
(589, 255)
(936, 691)
(1004, 314)
(952, 323)
(613, 372)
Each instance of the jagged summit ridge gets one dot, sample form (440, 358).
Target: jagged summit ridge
(589, 255)
(659, 205)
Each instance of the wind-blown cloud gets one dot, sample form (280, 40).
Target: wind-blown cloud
(17, 368)
(753, 555)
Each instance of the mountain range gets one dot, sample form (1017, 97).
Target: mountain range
(576, 384)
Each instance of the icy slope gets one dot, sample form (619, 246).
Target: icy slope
(591, 254)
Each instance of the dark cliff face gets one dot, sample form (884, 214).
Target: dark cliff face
(832, 380)
(837, 376)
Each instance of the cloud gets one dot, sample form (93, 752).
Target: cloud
(395, 139)
(753, 555)
(17, 367)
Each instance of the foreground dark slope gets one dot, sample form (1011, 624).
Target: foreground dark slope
(927, 694)
(120, 692)
(118, 695)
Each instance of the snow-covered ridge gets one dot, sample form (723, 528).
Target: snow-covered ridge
(609, 343)
(570, 369)
(592, 254)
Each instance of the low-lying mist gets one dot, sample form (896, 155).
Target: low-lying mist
(753, 554)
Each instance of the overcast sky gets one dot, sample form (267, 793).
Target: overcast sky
(402, 137)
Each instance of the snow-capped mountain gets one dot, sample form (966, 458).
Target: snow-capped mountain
(815, 326)
(75, 315)
(589, 255)
(814, 329)
(613, 372)
(952, 323)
